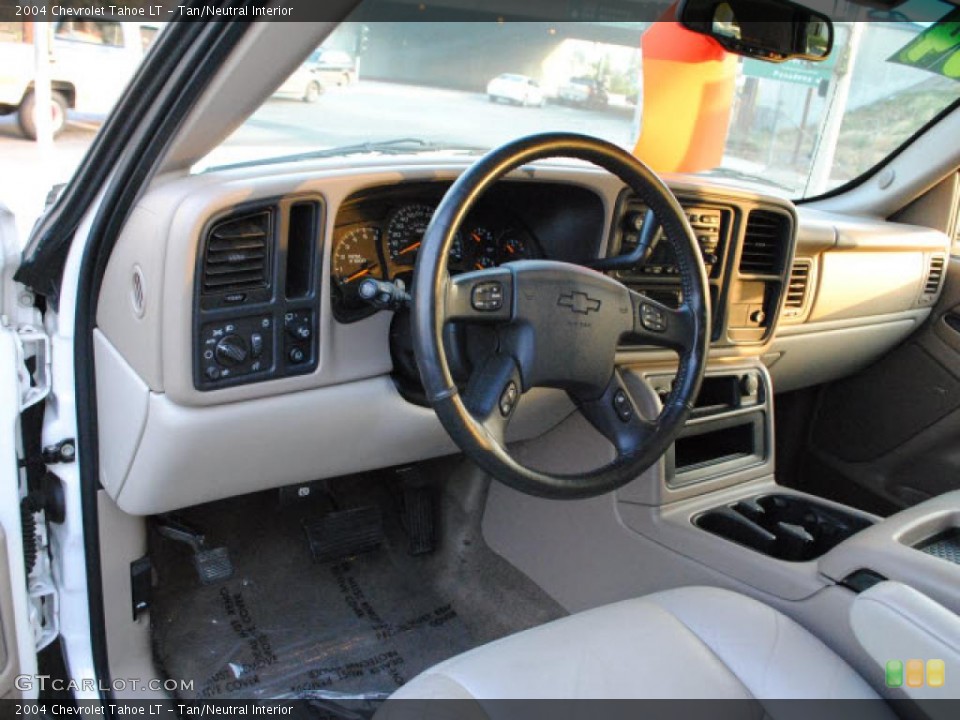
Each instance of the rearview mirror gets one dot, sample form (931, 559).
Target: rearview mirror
(774, 30)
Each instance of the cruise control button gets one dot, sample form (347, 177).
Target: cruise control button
(622, 406)
(487, 296)
(653, 318)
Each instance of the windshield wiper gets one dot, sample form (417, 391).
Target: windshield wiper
(748, 177)
(397, 146)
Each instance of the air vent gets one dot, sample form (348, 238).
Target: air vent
(764, 243)
(934, 275)
(796, 297)
(237, 254)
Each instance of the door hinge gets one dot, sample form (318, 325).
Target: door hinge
(44, 611)
(64, 451)
(33, 344)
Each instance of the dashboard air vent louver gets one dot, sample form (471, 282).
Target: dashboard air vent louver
(797, 288)
(237, 255)
(765, 242)
(934, 275)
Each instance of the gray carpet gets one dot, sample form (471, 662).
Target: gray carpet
(355, 629)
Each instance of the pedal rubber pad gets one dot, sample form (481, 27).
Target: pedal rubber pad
(213, 565)
(418, 517)
(344, 533)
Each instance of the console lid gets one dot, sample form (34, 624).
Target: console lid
(917, 547)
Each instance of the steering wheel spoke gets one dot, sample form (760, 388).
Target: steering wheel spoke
(484, 296)
(493, 393)
(656, 324)
(615, 415)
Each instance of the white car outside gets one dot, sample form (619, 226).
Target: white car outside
(303, 84)
(518, 89)
(91, 63)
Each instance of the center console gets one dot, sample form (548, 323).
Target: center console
(714, 497)
(919, 547)
(787, 527)
(872, 588)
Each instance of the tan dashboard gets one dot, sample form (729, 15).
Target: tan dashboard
(248, 271)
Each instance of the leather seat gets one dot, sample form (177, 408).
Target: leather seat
(694, 642)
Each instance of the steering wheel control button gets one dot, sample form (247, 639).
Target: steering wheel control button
(487, 296)
(622, 406)
(653, 318)
(508, 398)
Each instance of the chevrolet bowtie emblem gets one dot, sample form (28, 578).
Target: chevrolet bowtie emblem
(579, 302)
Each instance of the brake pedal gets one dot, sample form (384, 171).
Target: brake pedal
(213, 565)
(344, 533)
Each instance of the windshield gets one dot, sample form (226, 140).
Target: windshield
(798, 128)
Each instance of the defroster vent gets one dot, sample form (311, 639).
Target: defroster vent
(237, 255)
(765, 243)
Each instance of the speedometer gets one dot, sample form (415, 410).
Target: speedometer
(405, 232)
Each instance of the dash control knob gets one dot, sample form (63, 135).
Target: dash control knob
(299, 329)
(231, 351)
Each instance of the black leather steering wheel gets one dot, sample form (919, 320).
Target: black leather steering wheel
(557, 325)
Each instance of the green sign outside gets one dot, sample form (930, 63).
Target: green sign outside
(798, 72)
(936, 49)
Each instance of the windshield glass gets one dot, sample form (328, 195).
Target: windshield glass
(798, 128)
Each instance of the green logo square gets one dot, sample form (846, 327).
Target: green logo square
(894, 673)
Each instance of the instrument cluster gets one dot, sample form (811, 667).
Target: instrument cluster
(384, 244)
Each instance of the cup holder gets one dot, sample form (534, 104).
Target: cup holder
(785, 527)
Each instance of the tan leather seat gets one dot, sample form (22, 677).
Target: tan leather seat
(694, 642)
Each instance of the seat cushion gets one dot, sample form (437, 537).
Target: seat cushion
(694, 642)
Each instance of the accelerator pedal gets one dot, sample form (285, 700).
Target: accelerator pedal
(213, 565)
(344, 533)
(419, 511)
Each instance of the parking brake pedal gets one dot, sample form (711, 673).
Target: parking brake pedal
(213, 565)
(344, 533)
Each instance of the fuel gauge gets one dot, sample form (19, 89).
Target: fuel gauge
(482, 248)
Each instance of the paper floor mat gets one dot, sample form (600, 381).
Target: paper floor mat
(351, 630)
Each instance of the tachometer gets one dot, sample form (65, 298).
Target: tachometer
(355, 256)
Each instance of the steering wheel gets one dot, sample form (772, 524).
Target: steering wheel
(557, 325)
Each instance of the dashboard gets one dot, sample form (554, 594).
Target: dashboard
(233, 355)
